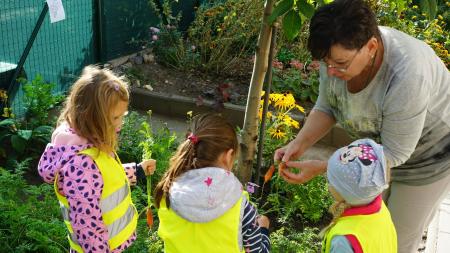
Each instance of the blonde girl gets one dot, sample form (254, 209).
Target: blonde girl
(357, 175)
(91, 184)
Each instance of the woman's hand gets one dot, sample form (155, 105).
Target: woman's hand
(308, 170)
(289, 152)
(148, 166)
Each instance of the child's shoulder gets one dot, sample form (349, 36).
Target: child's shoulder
(66, 135)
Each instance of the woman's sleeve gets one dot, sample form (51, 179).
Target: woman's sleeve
(322, 102)
(404, 110)
(82, 186)
(255, 238)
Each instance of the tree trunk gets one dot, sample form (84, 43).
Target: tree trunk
(249, 132)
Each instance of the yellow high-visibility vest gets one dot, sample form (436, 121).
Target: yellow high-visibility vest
(219, 235)
(118, 211)
(375, 232)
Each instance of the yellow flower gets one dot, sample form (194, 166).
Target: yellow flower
(300, 108)
(293, 123)
(415, 7)
(274, 97)
(268, 115)
(276, 133)
(189, 113)
(7, 112)
(285, 101)
(3, 95)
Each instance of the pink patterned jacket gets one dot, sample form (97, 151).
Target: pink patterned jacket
(80, 181)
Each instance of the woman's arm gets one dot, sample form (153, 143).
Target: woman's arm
(316, 126)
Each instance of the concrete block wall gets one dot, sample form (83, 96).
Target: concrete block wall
(177, 106)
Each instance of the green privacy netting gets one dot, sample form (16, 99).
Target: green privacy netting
(93, 31)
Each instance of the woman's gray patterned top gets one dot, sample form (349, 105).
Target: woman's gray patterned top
(406, 108)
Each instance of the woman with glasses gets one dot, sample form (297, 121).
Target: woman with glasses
(380, 83)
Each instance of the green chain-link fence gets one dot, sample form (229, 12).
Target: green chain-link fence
(93, 31)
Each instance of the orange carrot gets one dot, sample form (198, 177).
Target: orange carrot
(282, 166)
(269, 173)
(149, 218)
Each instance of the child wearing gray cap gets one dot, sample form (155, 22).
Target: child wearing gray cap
(357, 175)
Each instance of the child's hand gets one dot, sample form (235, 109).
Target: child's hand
(148, 166)
(263, 221)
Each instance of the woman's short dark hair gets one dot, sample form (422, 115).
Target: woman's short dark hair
(349, 23)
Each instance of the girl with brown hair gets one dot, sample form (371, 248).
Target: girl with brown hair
(202, 206)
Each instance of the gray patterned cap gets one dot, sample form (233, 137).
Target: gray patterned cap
(358, 171)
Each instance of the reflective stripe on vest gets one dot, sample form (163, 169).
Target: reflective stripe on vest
(118, 211)
(182, 236)
(375, 232)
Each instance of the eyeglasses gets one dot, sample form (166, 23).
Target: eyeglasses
(343, 69)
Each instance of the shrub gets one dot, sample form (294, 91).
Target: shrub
(286, 240)
(167, 41)
(30, 220)
(39, 100)
(225, 33)
(418, 25)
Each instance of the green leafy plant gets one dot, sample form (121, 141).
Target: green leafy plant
(294, 14)
(287, 240)
(133, 144)
(302, 83)
(146, 143)
(18, 143)
(129, 138)
(285, 55)
(30, 220)
(416, 23)
(224, 33)
(294, 203)
(39, 100)
(167, 41)
(160, 144)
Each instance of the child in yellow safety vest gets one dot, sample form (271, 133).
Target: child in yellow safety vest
(357, 175)
(91, 184)
(202, 205)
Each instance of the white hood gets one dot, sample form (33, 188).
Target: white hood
(202, 195)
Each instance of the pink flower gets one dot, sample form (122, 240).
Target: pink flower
(314, 65)
(296, 64)
(155, 37)
(277, 64)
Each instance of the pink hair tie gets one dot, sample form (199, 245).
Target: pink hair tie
(115, 85)
(193, 138)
